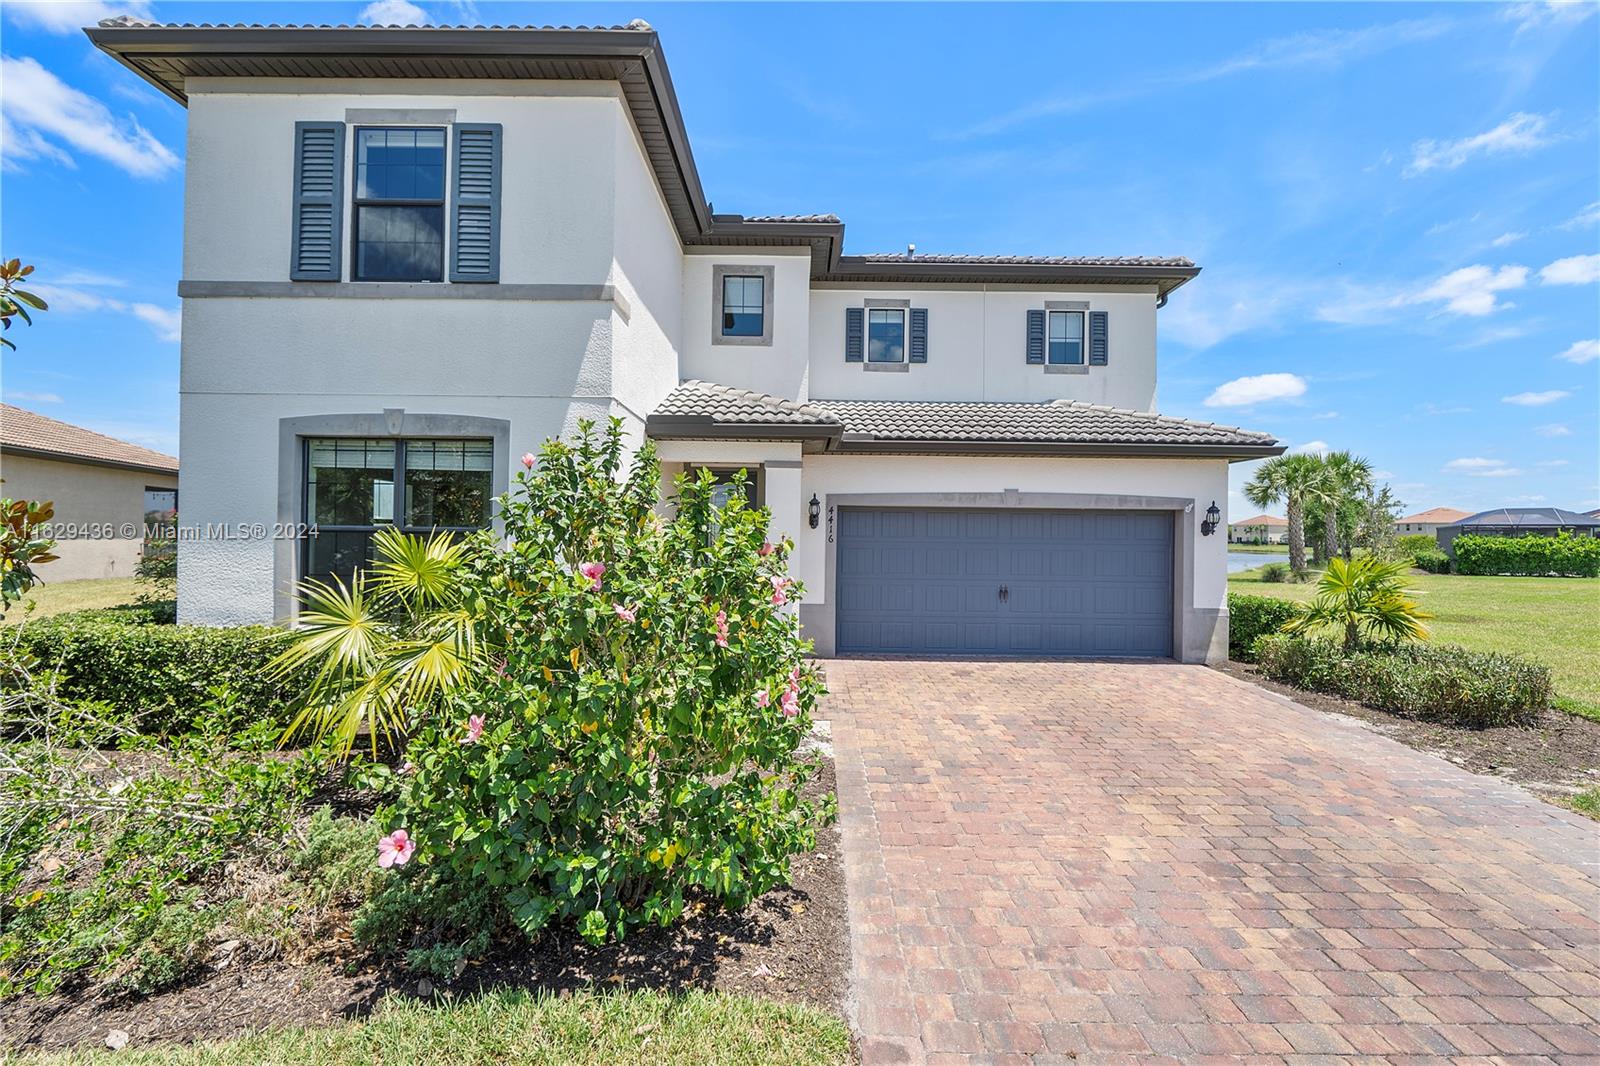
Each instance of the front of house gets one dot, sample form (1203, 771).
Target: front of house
(412, 254)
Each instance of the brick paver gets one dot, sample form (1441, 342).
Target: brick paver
(1121, 862)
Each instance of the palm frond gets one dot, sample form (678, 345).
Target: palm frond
(417, 570)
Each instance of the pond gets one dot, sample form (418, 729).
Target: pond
(1238, 561)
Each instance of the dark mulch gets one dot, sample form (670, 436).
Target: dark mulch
(1553, 757)
(791, 945)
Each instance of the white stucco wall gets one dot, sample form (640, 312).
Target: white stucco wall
(101, 507)
(977, 340)
(778, 369)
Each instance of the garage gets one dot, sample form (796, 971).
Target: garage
(946, 581)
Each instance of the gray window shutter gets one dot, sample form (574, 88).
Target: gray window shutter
(1035, 336)
(314, 244)
(475, 203)
(919, 334)
(1099, 347)
(854, 329)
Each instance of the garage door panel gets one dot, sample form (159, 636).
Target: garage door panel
(1078, 582)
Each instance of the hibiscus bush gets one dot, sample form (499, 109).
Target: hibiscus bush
(622, 725)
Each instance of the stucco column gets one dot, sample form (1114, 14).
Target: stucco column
(784, 499)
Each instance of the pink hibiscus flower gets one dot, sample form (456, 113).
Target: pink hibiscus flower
(762, 698)
(790, 703)
(395, 849)
(627, 614)
(766, 548)
(780, 591)
(592, 572)
(528, 460)
(474, 730)
(722, 629)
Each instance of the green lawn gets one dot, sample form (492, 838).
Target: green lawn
(1264, 549)
(1552, 620)
(644, 1028)
(58, 598)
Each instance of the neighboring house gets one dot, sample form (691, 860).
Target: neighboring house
(1429, 521)
(106, 492)
(1262, 529)
(1594, 513)
(1519, 522)
(410, 254)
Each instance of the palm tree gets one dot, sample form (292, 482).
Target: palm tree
(1365, 597)
(1292, 479)
(1345, 477)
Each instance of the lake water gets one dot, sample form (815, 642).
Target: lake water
(1238, 561)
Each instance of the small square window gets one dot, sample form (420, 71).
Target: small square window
(743, 305)
(1066, 338)
(886, 335)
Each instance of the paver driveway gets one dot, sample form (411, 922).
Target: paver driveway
(1117, 861)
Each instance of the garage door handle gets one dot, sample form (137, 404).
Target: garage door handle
(1005, 594)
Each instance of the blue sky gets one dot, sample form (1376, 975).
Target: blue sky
(1397, 206)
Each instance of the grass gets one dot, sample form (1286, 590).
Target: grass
(1265, 549)
(1586, 802)
(59, 598)
(647, 1028)
(1547, 619)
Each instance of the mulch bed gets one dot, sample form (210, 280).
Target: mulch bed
(791, 945)
(1555, 756)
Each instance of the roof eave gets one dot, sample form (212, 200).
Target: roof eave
(696, 427)
(1165, 278)
(866, 444)
(87, 460)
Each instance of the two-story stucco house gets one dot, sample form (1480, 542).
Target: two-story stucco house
(411, 254)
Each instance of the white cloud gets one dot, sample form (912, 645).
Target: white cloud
(1258, 388)
(1558, 13)
(1312, 447)
(1498, 335)
(33, 397)
(1506, 238)
(393, 13)
(1552, 429)
(69, 16)
(77, 292)
(1521, 132)
(1477, 466)
(1323, 416)
(1552, 462)
(1433, 409)
(36, 104)
(1573, 270)
(1588, 218)
(1536, 399)
(1469, 291)
(1581, 352)
(1209, 310)
(1532, 498)
(1383, 475)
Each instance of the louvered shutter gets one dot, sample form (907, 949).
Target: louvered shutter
(315, 241)
(475, 203)
(854, 328)
(919, 334)
(1099, 346)
(1035, 336)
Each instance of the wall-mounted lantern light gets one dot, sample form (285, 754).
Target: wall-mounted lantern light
(1213, 519)
(815, 510)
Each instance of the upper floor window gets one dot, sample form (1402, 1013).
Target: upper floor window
(1066, 338)
(886, 335)
(743, 305)
(399, 204)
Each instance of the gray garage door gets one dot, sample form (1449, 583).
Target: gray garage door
(958, 582)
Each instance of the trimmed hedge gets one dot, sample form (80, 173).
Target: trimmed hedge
(1433, 561)
(165, 677)
(1564, 555)
(1443, 682)
(1409, 544)
(1252, 617)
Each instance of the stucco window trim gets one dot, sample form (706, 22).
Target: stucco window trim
(392, 422)
(727, 270)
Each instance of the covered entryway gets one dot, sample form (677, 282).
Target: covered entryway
(1005, 582)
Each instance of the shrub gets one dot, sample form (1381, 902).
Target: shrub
(1252, 617)
(1365, 597)
(1275, 573)
(1444, 681)
(1564, 555)
(1432, 560)
(1410, 544)
(613, 705)
(162, 678)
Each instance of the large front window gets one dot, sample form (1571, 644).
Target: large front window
(399, 205)
(356, 486)
(886, 335)
(1066, 338)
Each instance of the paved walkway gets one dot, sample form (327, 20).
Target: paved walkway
(1097, 862)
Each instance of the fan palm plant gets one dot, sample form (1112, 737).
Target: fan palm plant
(1365, 597)
(387, 646)
(1346, 477)
(1292, 479)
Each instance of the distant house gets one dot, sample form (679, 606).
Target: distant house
(104, 490)
(1430, 520)
(1262, 529)
(1594, 513)
(1519, 522)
